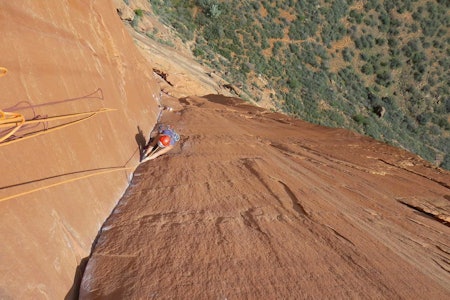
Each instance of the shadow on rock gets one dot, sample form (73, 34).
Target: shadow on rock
(74, 291)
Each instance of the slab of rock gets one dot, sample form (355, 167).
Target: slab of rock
(253, 204)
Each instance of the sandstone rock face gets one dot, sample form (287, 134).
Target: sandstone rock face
(250, 204)
(65, 57)
(256, 205)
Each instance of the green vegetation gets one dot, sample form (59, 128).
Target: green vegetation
(139, 12)
(334, 62)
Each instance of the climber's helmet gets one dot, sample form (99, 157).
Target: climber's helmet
(164, 141)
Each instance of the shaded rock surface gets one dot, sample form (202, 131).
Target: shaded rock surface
(254, 204)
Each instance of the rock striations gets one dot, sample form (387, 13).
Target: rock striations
(257, 205)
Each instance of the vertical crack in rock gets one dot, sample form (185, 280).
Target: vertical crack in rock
(250, 165)
(296, 205)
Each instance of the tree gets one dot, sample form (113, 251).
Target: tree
(384, 78)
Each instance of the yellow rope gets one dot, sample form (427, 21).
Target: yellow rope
(63, 182)
(8, 119)
(55, 118)
(16, 120)
(3, 71)
(91, 114)
(11, 118)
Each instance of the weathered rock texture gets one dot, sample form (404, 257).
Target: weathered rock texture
(256, 205)
(65, 57)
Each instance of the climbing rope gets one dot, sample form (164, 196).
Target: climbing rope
(10, 119)
(63, 182)
(17, 120)
(3, 71)
(14, 121)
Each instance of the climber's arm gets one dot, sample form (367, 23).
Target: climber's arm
(158, 153)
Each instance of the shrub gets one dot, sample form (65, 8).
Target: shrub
(139, 12)
(367, 69)
(364, 41)
(198, 51)
(135, 22)
(443, 123)
(355, 17)
(360, 119)
(423, 118)
(347, 54)
(395, 63)
(384, 78)
(447, 105)
(334, 118)
(372, 129)
(380, 41)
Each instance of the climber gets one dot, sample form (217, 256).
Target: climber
(161, 144)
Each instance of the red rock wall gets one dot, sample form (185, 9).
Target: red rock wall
(65, 57)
